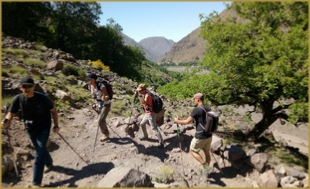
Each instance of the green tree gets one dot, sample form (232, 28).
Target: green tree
(75, 24)
(260, 59)
(27, 20)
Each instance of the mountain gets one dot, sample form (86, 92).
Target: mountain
(189, 49)
(192, 47)
(158, 46)
(154, 47)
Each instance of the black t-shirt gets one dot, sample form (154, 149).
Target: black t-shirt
(35, 110)
(200, 116)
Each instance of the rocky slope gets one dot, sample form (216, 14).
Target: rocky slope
(79, 161)
(192, 47)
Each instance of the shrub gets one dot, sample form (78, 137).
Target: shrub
(17, 52)
(35, 62)
(99, 65)
(166, 175)
(70, 69)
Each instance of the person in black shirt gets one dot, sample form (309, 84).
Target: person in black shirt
(201, 140)
(37, 110)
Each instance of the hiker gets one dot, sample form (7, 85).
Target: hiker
(149, 115)
(201, 140)
(37, 110)
(102, 103)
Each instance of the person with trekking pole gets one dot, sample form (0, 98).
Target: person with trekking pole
(201, 141)
(37, 110)
(150, 116)
(102, 103)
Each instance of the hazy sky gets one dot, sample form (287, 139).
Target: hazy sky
(172, 20)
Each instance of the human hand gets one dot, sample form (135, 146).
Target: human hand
(5, 123)
(176, 120)
(56, 129)
(136, 93)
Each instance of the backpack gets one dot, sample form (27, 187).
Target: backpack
(157, 103)
(108, 87)
(211, 122)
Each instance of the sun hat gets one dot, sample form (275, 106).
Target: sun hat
(141, 86)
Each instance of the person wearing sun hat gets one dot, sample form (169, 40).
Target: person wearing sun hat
(149, 115)
(201, 140)
(37, 110)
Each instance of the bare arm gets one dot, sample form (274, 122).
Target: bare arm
(105, 95)
(55, 118)
(185, 121)
(9, 116)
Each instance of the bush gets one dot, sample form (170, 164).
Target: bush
(70, 69)
(99, 65)
(35, 62)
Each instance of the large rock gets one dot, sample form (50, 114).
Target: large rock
(268, 179)
(125, 177)
(55, 65)
(259, 161)
(216, 143)
(233, 153)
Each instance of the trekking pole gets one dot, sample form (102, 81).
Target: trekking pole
(71, 148)
(96, 139)
(15, 166)
(178, 132)
(96, 132)
(184, 180)
(134, 99)
(217, 163)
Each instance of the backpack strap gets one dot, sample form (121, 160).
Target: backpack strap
(206, 118)
(151, 94)
(21, 100)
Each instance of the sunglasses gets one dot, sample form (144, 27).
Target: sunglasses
(27, 86)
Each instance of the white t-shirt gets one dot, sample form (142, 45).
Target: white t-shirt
(97, 94)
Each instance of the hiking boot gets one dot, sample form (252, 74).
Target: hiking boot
(104, 138)
(143, 138)
(207, 168)
(48, 168)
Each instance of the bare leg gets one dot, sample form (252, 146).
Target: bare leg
(208, 156)
(197, 156)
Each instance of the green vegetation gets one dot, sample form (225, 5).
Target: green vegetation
(257, 62)
(18, 71)
(34, 62)
(17, 52)
(70, 69)
(6, 99)
(166, 175)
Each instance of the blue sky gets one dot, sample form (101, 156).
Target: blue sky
(172, 20)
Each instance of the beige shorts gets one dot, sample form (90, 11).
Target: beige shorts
(201, 144)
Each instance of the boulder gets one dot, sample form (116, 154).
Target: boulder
(125, 177)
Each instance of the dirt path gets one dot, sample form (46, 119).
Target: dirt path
(79, 130)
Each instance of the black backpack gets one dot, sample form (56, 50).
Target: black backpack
(108, 87)
(157, 103)
(211, 122)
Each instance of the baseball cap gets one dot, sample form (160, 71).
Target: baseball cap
(27, 81)
(92, 76)
(198, 95)
(141, 86)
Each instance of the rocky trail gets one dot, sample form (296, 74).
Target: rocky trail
(86, 165)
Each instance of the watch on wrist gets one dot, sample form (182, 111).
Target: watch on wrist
(55, 127)
(5, 120)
